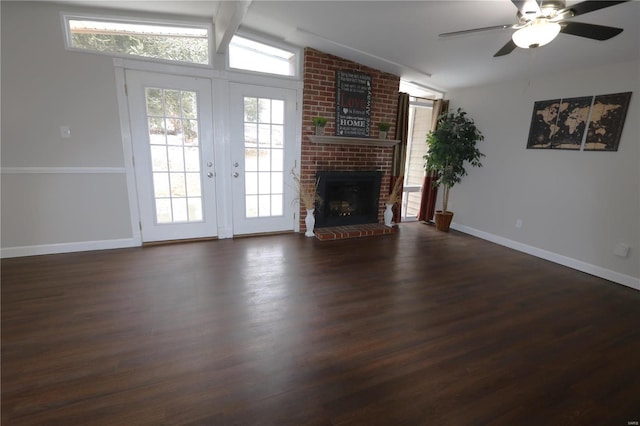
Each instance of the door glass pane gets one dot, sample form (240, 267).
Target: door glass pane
(179, 206)
(195, 209)
(193, 185)
(163, 210)
(251, 160)
(277, 111)
(251, 202)
(264, 110)
(277, 140)
(276, 205)
(161, 185)
(159, 159)
(264, 183)
(190, 132)
(251, 183)
(263, 127)
(277, 159)
(419, 126)
(264, 135)
(411, 204)
(175, 154)
(250, 135)
(250, 110)
(189, 105)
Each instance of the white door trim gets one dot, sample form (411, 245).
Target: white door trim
(222, 137)
(127, 150)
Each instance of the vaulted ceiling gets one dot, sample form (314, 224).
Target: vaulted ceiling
(401, 37)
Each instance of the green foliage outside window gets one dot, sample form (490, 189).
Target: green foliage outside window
(175, 48)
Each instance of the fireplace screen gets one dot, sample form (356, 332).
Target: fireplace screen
(349, 198)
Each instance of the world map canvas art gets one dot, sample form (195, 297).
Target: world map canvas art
(607, 120)
(588, 122)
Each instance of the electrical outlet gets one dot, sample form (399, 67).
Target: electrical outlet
(519, 223)
(65, 132)
(621, 250)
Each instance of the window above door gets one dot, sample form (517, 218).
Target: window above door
(250, 54)
(152, 39)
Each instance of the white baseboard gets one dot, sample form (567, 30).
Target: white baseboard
(598, 271)
(7, 252)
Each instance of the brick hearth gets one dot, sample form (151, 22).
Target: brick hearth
(352, 231)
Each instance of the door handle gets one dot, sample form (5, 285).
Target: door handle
(236, 174)
(209, 175)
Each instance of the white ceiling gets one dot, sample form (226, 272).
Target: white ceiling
(401, 37)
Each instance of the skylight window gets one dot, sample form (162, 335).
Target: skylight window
(181, 43)
(251, 55)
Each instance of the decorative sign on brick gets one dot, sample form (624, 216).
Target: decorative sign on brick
(353, 104)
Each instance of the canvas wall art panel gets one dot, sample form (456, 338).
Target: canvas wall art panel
(573, 115)
(607, 121)
(544, 124)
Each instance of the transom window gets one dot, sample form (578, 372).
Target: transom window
(166, 41)
(250, 55)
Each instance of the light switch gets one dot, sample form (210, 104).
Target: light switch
(65, 132)
(621, 250)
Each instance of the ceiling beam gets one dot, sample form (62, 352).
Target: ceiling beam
(227, 21)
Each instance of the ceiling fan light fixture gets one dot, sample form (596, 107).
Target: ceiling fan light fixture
(536, 34)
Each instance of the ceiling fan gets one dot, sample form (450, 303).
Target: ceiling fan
(540, 22)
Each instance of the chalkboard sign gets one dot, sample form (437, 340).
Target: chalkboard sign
(353, 104)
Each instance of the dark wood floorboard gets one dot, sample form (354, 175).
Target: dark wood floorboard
(414, 328)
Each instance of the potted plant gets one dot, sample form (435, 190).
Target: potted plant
(319, 122)
(383, 127)
(450, 147)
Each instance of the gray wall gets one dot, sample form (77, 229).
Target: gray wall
(578, 205)
(77, 191)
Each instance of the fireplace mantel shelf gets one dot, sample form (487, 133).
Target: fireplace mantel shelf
(343, 140)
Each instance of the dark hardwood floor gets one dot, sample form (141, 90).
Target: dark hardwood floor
(413, 328)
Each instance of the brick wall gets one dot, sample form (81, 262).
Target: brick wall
(319, 99)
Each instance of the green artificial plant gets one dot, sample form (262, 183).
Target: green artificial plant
(450, 146)
(319, 121)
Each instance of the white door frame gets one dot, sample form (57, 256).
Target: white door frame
(222, 134)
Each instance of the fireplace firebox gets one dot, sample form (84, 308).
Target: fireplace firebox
(348, 198)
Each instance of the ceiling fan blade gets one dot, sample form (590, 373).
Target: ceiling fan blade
(589, 6)
(475, 30)
(506, 49)
(595, 32)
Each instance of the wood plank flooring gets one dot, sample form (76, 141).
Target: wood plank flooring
(413, 328)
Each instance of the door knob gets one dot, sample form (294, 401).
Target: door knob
(236, 174)
(209, 175)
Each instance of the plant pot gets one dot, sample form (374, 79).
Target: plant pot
(443, 220)
(382, 134)
(319, 130)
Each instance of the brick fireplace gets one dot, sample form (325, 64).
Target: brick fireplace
(319, 99)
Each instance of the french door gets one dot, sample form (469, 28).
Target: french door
(172, 138)
(262, 154)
